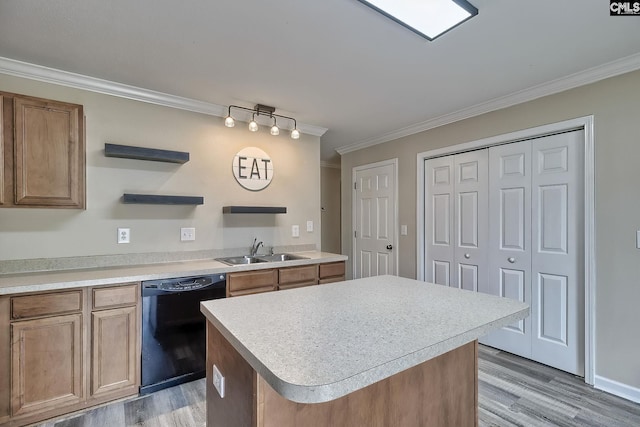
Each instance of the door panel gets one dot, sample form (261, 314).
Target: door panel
(509, 239)
(470, 205)
(439, 245)
(375, 221)
(558, 256)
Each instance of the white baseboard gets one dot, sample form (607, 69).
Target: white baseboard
(619, 389)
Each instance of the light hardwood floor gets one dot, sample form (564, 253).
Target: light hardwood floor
(512, 392)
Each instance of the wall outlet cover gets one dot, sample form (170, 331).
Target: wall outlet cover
(295, 231)
(187, 234)
(309, 226)
(124, 235)
(218, 381)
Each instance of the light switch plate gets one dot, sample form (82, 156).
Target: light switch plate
(218, 381)
(403, 230)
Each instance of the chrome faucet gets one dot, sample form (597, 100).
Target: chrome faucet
(254, 247)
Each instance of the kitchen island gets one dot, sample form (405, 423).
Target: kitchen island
(381, 351)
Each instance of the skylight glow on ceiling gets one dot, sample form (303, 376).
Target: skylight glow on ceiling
(428, 18)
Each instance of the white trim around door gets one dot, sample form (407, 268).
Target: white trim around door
(396, 227)
(586, 123)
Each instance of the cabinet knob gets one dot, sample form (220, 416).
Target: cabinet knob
(389, 247)
(467, 256)
(511, 260)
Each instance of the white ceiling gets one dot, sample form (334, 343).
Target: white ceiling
(330, 63)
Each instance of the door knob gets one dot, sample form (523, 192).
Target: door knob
(389, 247)
(511, 260)
(467, 256)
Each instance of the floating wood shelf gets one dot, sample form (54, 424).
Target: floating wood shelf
(141, 153)
(156, 199)
(254, 209)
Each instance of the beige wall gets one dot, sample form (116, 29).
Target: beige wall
(615, 104)
(35, 233)
(330, 202)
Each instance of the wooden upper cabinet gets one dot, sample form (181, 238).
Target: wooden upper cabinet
(48, 151)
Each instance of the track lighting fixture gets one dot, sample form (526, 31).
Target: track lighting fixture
(262, 110)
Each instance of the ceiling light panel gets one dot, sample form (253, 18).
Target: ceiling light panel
(428, 18)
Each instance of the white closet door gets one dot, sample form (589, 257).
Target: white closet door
(510, 239)
(471, 216)
(558, 255)
(439, 238)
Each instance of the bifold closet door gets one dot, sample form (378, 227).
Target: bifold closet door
(536, 200)
(510, 239)
(456, 216)
(439, 244)
(557, 271)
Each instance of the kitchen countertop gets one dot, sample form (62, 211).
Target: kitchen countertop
(52, 280)
(319, 343)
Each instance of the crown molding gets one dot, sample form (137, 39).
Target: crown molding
(324, 164)
(40, 73)
(591, 75)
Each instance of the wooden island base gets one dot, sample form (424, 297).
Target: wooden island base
(439, 392)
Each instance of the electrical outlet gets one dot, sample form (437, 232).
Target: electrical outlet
(124, 235)
(309, 226)
(187, 233)
(218, 381)
(295, 231)
(403, 230)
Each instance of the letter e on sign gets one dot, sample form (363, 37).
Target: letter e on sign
(253, 168)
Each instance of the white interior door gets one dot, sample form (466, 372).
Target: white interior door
(510, 239)
(557, 260)
(439, 218)
(375, 222)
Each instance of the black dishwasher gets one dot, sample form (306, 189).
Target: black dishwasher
(173, 329)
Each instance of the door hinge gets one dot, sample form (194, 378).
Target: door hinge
(355, 185)
(355, 234)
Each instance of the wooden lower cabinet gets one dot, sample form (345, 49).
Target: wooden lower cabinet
(46, 363)
(64, 351)
(114, 362)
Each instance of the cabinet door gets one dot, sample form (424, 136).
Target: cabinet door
(49, 153)
(46, 363)
(114, 352)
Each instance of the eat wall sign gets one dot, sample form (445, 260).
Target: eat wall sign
(253, 168)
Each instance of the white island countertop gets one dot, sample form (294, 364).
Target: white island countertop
(319, 343)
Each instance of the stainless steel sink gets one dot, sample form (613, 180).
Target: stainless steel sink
(280, 257)
(238, 260)
(246, 259)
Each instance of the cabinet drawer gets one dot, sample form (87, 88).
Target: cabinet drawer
(23, 307)
(252, 279)
(306, 274)
(115, 296)
(332, 269)
(331, 280)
